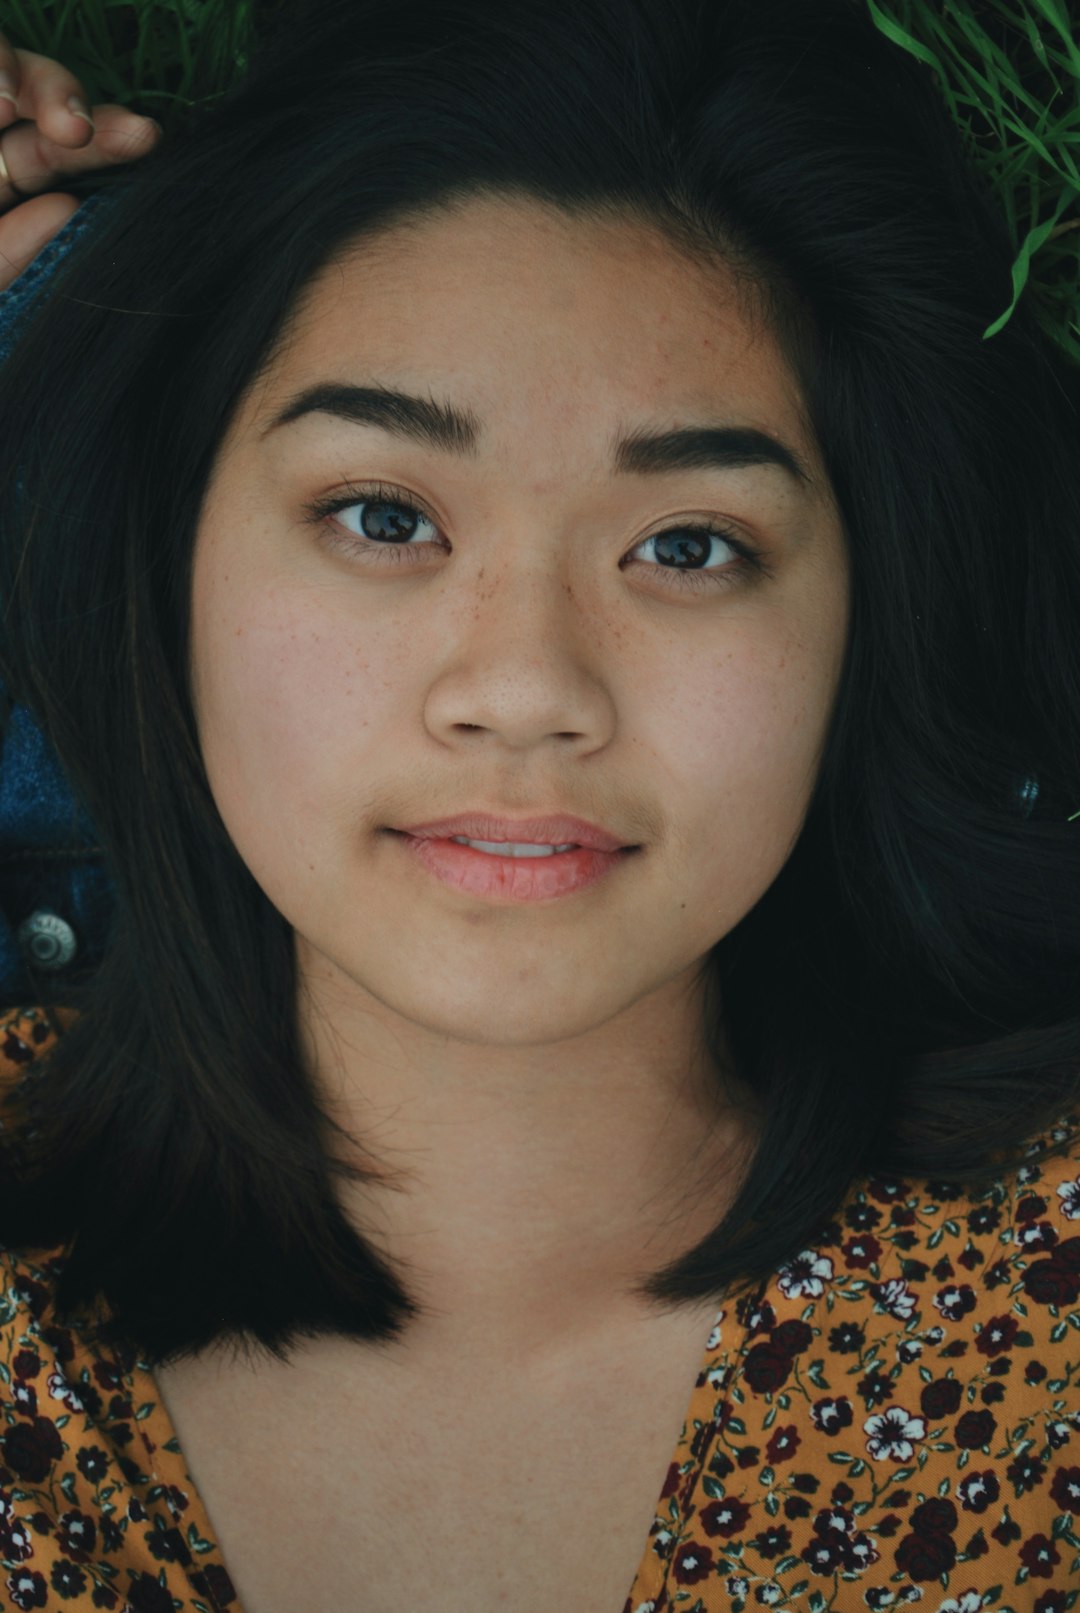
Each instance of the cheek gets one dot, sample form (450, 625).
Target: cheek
(740, 747)
(287, 705)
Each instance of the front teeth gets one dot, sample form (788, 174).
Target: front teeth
(507, 849)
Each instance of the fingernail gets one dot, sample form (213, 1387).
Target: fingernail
(80, 109)
(7, 84)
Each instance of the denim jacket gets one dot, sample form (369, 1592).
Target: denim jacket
(55, 897)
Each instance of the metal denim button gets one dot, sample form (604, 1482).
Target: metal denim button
(47, 940)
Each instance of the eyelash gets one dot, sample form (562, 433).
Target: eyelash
(749, 559)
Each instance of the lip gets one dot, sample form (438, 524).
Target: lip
(511, 879)
(549, 831)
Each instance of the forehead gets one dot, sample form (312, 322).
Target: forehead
(531, 316)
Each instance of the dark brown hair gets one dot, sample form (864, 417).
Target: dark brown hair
(903, 998)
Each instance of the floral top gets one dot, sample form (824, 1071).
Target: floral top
(893, 1418)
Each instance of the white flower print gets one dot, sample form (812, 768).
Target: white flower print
(1069, 1194)
(890, 1434)
(805, 1276)
(61, 1390)
(896, 1299)
(969, 1602)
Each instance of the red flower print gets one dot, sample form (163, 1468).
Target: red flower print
(955, 1301)
(1051, 1282)
(1026, 1472)
(772, 1542)
(27, 1589)
(927, 1556)
(1065, 1490)
(934, 1517)
(1036, 1235)
(759, 1318)
(108, 1374)
(996, 1334)
(941, 1398)
(1039, 1555)
(886, 1192)
(831, 1416)
(793, 1337)
(148, 1595)
(977, 1491)
(983, 1218)
(766, 1368)
(15, 1543)
(30, 1449)
(214, 1583)
(783, 1445)
(692, 1563)
(828, 1554)
(861, 1252)
(975, 1429)
(77, 1535)
(727, 1517)
(67, 1580)
(846, 1338)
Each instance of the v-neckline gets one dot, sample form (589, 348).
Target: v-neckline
(170, 1468)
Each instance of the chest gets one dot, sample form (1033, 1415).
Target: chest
(441, 1494)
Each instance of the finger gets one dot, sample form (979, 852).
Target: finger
(28, 228)
(36, 163)
(41, 90)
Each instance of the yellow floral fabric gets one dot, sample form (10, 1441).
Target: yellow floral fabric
(892, 1419)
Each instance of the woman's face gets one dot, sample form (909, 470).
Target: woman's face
(532, 654)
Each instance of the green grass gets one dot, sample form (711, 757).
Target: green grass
(1009, 71)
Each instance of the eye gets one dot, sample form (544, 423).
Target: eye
(389, 520)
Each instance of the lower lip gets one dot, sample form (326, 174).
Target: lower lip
(513, 879)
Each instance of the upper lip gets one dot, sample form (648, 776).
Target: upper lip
(550, 831)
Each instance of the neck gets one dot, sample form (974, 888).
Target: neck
(528, 1190)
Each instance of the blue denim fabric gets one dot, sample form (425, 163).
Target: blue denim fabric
(49, 861)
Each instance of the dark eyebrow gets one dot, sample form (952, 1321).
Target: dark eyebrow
(455, 431)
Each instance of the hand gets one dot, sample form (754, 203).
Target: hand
(42, 141)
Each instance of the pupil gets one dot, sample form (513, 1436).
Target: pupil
(386, 520)
(687, 546)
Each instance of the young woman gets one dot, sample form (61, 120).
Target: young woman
(566, 635)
